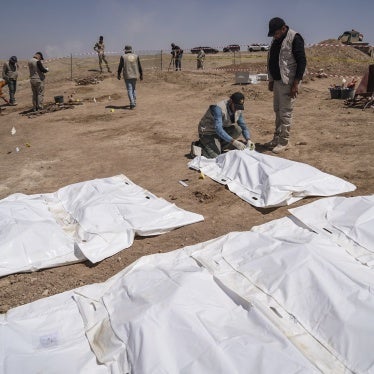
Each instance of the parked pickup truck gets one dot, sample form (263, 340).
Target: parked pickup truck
(258, 47)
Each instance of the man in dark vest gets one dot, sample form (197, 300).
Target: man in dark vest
(286, 67)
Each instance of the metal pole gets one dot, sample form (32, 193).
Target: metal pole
(71, 66)
(161, 59)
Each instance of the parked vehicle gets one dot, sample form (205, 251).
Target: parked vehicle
(232, 48)
(258, 47)
(207, 50)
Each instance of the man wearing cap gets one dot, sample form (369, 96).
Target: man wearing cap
(129, 65)
(37, 77)
(99, 47)
(286, 67)
(222, 125)
(10, 75)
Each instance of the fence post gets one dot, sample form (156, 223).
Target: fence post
(161, 59)
(71, 66)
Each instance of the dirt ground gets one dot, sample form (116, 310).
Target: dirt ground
(150, 146)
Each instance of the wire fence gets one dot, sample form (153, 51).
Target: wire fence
(75, 66)
(333, 56)
(153, 60)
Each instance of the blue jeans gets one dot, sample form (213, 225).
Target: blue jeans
(131, 90)
(12, 85)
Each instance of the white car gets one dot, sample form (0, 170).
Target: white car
(258, 47)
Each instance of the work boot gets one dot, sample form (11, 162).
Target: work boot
(280, 148)
(195, 149)
(271, 145)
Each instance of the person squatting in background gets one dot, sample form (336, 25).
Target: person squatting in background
(222, 125)
(10, 75)
(286, 67)
(177, 53)
(37, 77)
(131, 68)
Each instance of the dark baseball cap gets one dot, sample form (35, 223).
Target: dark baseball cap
(275, 24)
(40, 54)
(238, 100)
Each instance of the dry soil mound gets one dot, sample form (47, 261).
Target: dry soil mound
(330, 55)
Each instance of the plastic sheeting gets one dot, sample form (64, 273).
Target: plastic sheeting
(46, 336)
(111, 211)
(266, 181)
(31, 237)
(170, 316)
(326, 290)
(89, 220)
(279, 298)
(174, 318)
(347, 221)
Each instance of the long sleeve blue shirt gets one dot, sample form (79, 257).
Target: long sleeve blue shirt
(217, 114)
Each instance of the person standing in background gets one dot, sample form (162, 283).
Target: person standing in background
(37, 77)
(99, 47)
(200, 59)
(10, 75)
(130, 67)
(177, 53)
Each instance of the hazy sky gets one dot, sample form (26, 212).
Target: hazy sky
(60, 27)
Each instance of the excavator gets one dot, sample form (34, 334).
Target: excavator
(355, 39)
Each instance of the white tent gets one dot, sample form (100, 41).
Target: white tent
(266, 181)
